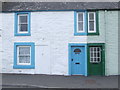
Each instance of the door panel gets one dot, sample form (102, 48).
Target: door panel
(78, 61)
(95, 60)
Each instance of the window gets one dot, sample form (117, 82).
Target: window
(22, 24)
(24, 55)
(95, 54)
(86, 23)
(80, 22)
(77, 51)
(91, 22)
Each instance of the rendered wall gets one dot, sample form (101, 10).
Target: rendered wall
(0, 42)
(108, 28)
(51, 32)
(112, 42)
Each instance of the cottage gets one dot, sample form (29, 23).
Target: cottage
(60, 38)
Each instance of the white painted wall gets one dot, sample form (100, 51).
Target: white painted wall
(51, 32)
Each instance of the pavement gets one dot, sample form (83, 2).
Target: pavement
(57, 81)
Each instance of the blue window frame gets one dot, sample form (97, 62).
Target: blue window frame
(22, 24)
(24, 55)
(80, 23)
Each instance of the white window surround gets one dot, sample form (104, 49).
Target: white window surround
(22, 23)
(80, 31)
(93, 31)
(24, 55)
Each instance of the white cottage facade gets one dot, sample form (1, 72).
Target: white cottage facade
(59, 42)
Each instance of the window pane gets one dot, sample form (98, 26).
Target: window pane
(23, 19)
(91, 54)
(91, 25)
(98, 54)
(24, 50)
(91, 59)
(91, 16)
(94, 48)
(98, 49)
(94, 59)
(80, 16)
(80, 26)
(98, 59)
(23, 27)
(24, 59)
(91, 49)
(94, 54)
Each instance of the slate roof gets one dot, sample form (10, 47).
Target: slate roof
(34, 6)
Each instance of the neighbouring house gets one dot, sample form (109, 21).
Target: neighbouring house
(60, 38)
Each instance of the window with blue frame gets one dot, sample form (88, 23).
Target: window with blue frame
(86, 23)
(22, 24)
(24, 55)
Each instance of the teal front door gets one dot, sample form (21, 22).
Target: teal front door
(78, 60)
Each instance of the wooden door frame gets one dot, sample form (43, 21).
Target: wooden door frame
(103, 56)
(69, 56)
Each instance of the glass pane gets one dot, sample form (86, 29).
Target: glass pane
(98, 59)
(91, 60)
(94, 54)
(91, 16)
(91, 25)
(91, 54)
(95, 59)
(24, 50)
(91, 49)
(24, 59)
(98, 54)
(94, 48)
(98, 49)
(23, 19)
(80, 16)
(80, 26)
(23, 27)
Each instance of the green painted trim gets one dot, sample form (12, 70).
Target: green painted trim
(103, 56)
(97, 23)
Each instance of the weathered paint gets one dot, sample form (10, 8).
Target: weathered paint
(51, 32)
(108, 34)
